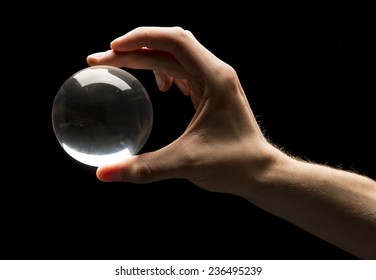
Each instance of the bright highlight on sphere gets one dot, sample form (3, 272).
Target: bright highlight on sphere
(102, 114)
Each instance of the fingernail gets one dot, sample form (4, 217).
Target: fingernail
(119, 38)
(114, 41)
(159, 80)
(97, 55)
(182, 86)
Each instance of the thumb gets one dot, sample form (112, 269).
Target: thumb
(145, 168)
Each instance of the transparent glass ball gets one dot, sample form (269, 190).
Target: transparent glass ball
(102, 114)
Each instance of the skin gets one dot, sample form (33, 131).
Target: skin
(224, 150)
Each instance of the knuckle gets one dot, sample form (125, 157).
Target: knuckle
(144, 174)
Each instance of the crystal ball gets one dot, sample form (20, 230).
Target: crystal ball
(102, 114)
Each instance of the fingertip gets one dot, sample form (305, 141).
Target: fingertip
(96, 55)
(163, 81)
(182, 85)
(106, 174)
(114, 44)
(95, 58)
(91, 61)
(160, 81)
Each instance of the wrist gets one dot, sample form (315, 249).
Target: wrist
(263, 172)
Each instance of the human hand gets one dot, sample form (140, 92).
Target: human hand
(223, 148)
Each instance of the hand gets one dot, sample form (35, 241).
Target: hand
(224, 150)
(223, 145)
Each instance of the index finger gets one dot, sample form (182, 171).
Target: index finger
(179, 42)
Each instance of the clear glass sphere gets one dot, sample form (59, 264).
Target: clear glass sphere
(102, 114)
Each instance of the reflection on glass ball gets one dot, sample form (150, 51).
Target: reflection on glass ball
(102, 114)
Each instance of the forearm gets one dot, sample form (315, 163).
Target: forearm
(335, 205)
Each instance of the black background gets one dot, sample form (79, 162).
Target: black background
(307, 72)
